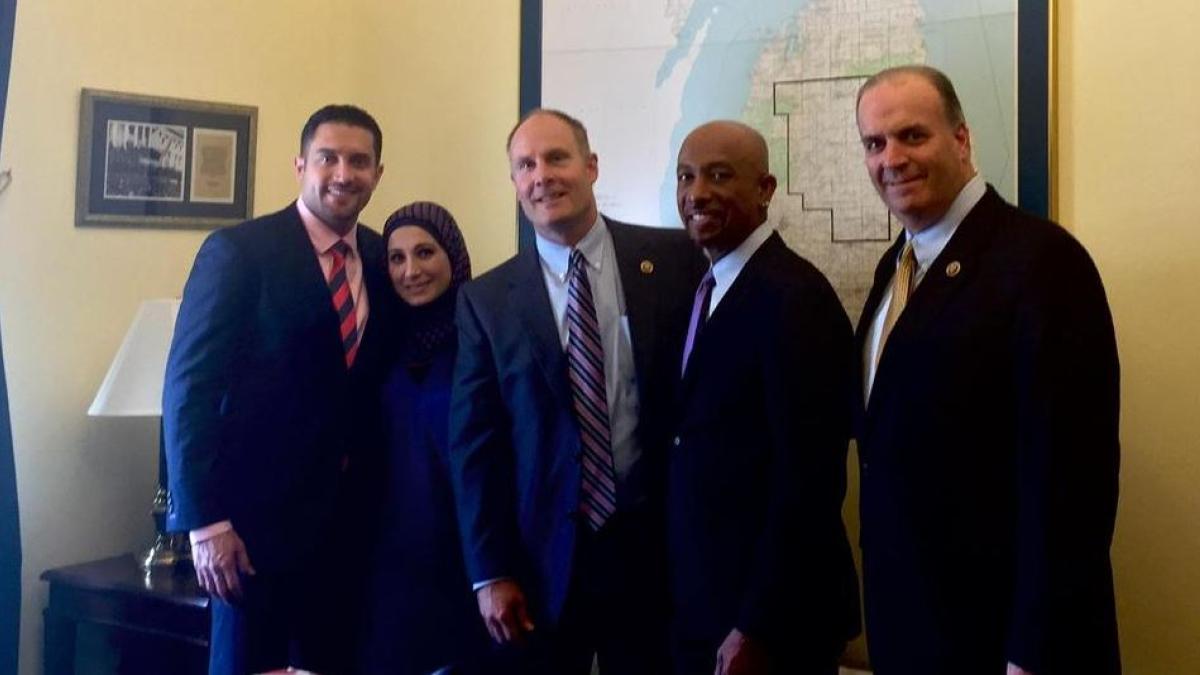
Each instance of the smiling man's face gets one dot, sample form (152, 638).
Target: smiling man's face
(722, 186)
(337, 173)
(918, 160)
(553, 176)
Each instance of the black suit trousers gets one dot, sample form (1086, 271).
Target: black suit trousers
(305, 615)
(616, 605)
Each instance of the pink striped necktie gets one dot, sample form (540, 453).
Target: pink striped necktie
(585, 370)
(343, 301)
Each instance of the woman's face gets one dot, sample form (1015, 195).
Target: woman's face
(419, 268)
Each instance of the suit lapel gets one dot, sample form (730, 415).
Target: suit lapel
(377, 288)
(300, 266)
(733, 298)
(637, 285)
(953, 269)
(531, 301)
(883, 274)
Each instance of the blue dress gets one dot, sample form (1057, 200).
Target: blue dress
(420, 610)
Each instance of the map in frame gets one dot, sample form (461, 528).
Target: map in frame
(642, 73)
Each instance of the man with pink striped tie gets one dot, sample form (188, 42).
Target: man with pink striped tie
(568, 356)
(263, 406)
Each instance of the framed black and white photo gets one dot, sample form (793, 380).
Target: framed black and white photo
(147, 161)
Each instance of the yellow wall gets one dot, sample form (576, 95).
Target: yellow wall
(1129, 145)
(440, 76)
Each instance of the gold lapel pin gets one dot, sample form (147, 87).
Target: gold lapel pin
(647, 267)
(953, 269)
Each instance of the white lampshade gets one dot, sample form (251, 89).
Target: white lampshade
(134, 383)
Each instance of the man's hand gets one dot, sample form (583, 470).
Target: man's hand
(740, 655)
(502, 606)
(1014, 669)
(220, 561)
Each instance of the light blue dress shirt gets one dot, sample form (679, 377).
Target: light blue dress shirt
(927, 246)
(620, 375)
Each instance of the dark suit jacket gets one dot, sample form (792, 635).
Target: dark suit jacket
(258, 407)
(758, 469)
(514, 440)
(989, 458)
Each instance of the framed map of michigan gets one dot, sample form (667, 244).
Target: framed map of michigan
(642, 73)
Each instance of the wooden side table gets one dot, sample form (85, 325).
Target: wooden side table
(157, 623)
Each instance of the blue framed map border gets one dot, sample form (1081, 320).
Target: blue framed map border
(1034, 60)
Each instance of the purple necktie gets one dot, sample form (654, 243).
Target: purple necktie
(699, 315)
(585, 370)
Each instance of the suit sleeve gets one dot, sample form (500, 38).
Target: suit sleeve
(208, 333)
(801, 574)
(481, 455)
(1067, 384)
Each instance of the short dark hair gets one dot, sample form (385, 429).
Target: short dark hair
(951, 106)
(577, 128)
(342, 114)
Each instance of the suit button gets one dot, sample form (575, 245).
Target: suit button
(676, 441)
(865, 466)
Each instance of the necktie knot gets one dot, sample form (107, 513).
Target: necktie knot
(577, 263)
(340, 250)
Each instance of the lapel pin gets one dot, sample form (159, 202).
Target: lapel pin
(647, 267)
(953, 269)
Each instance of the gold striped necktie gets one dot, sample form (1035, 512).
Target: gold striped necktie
(901, 290)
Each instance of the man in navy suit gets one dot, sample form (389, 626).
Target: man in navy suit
(264, 402)
(988, 414)
(761, 574)
(567, 355)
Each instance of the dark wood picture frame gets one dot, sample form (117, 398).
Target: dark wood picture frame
(163, 163)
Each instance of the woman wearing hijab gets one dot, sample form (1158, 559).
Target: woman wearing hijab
(421, 613)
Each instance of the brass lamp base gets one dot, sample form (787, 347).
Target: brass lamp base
(168, 550)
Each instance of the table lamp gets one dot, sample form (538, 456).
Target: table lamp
(133, 388)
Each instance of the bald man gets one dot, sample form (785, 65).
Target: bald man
(762, 578)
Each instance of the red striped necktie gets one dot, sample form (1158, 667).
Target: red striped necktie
(343, 301)
(585, 370)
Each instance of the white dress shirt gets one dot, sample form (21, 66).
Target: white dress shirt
(727, 268)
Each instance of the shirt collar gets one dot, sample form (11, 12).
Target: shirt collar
(928, 243)
(320, 235)
(726, 268)
(556, 257)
